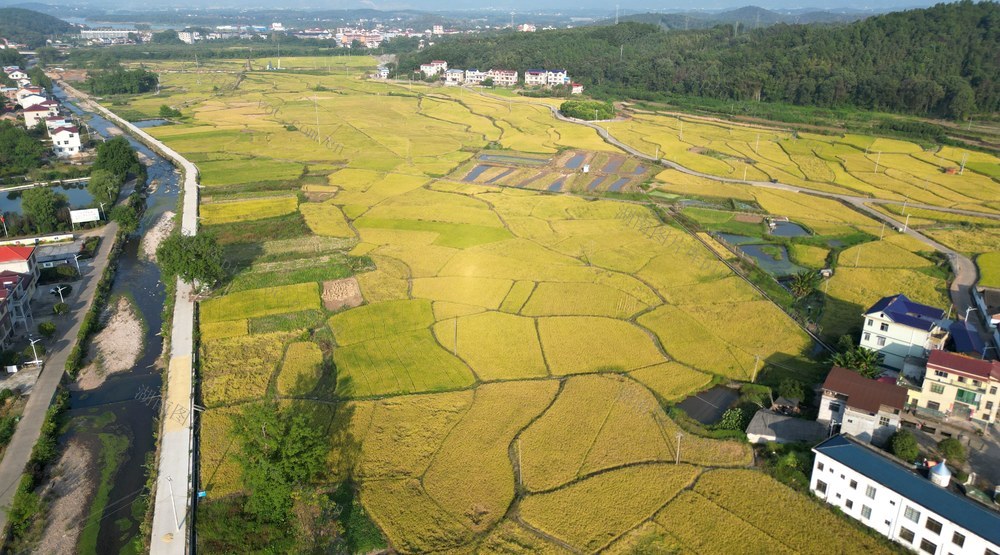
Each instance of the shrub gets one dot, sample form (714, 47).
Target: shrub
(168, 112)
(904, 445)
(952, 449)
(47, 329)
(60, 308)
(734, 419)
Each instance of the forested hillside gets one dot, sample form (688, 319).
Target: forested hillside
(940, 61)
(30, 27)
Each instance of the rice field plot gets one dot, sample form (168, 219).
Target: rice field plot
(966, 239)
(705, 528)
(247, 210)
(382, 319)
(495, 345)
(580, 344)
(408, 362)
(809, 255)
(300, 370)
(580, 299)
(671, 381)
(410, 518)
(260, 302)
(472, 476)
(476, 291)
(243, 170)
(239, 368)
(798, 521)
(220, 470)
(594, 512)
(989, 269)
(325, 220)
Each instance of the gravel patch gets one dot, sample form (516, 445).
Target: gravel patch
(116, 347)
(156, 234)
(69, 491)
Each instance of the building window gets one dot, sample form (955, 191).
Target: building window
(912, 514)
(937, 388)
(933, 405)
(958, 539)
(928, 547)
(854, 484)
(993, 390)
(868, 336)
(883, 326)
(820, 466)
(940, 374)
(871, 322)
(870, 492)
(933, 525)
(905, 534)
(989, 405)
(849, 504)
(834, 407)
(821, 486)
(866, 512)
(976, 383)
(883, 421)
(880, 342)
(961, 379)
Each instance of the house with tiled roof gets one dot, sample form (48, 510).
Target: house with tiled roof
(65, 141)
(899, 328)
(18, 279)
(864, 408)
(953, 385)
(39, 112)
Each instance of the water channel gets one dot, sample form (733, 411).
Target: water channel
(116, 408)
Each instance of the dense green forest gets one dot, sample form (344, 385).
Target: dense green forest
(30, 27)
(122, 81)
(940, 61)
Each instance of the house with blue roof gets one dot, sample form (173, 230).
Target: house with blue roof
(900, 328)
(924, 514)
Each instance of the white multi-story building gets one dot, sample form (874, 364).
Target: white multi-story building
(474, 76)
(102, 34)
(39, 112)
(454, 77)
(65, 141)
(534, 78)
(955, 386)
(916, 512)
(436, 67)
(555, 77)
(899, 328)
(17, 75)
(28, 100)
(503, 77)
(866, 409)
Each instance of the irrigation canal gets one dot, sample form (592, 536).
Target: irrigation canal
(120, 411)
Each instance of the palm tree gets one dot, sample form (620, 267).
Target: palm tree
(860, 359)
(804, 283)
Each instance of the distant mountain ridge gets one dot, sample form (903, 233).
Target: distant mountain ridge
(750, 17)
(30, 27)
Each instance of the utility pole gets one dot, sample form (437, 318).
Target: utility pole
(677, 460)
(316, 109)
(681, 136)
(756, 364)
(756, 145)
(621, 54)
(907, 224)
(456, 338)
(877, 159)
(965, 156)
(881, 233)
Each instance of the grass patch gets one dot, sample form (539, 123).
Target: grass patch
(261, 302)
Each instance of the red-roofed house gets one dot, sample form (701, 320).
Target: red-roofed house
(866, 409)
(957, 386)
(65, 141)
(18, 278)
(39, 112)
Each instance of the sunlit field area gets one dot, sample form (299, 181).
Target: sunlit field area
(490, 312)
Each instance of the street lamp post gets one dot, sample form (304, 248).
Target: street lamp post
(34, 351)
(76, 258)
(968, 310)
(59, 289)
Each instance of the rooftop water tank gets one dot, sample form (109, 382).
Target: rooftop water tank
(940, 475)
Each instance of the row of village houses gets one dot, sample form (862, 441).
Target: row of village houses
(37, 107)
(935, 375)
(500, 77)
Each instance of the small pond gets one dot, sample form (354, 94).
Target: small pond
(617, 185)
(476, 172)
(76, 194)
(708, 407)
(773, 259)
(575, 162)
(789, 229)
(150, 123)
(513, 159)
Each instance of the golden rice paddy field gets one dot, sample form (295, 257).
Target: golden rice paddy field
(504, 379)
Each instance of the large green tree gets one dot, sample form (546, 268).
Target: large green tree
(862, 360)
(118, 158)
(41, 205)
(19, 152)
(193, 259)
(104, 186)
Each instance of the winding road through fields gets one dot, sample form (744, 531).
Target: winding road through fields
(964, 269)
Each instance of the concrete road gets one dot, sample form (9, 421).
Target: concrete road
(30, 426)
(174, 498)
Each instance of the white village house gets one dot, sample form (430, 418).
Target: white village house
(503, 77)
(436, 67)
(555, 77)
(65, 141)
(454, 77)
(474, 76)
(899, 328)
(866, 409)
(534, 78)
(919, 513)
(39, 112)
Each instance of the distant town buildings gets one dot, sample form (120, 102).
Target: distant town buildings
(500, 77)
(921, 514)
(899, 328)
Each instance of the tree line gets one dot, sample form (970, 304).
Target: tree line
(122, 81)
(939, 61)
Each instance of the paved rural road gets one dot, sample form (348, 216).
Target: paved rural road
(174, 493)
(30, 426)
(966, 274)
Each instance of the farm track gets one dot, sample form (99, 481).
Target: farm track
(964, 269)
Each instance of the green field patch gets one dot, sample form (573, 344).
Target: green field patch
(330, 267)
(223, 329)
(989, 269)
(325, 219)
(288, 321)
(260, 302)
(408, 362)
(377, 320)
(228, 172)
(288, 226)
(459, 236)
